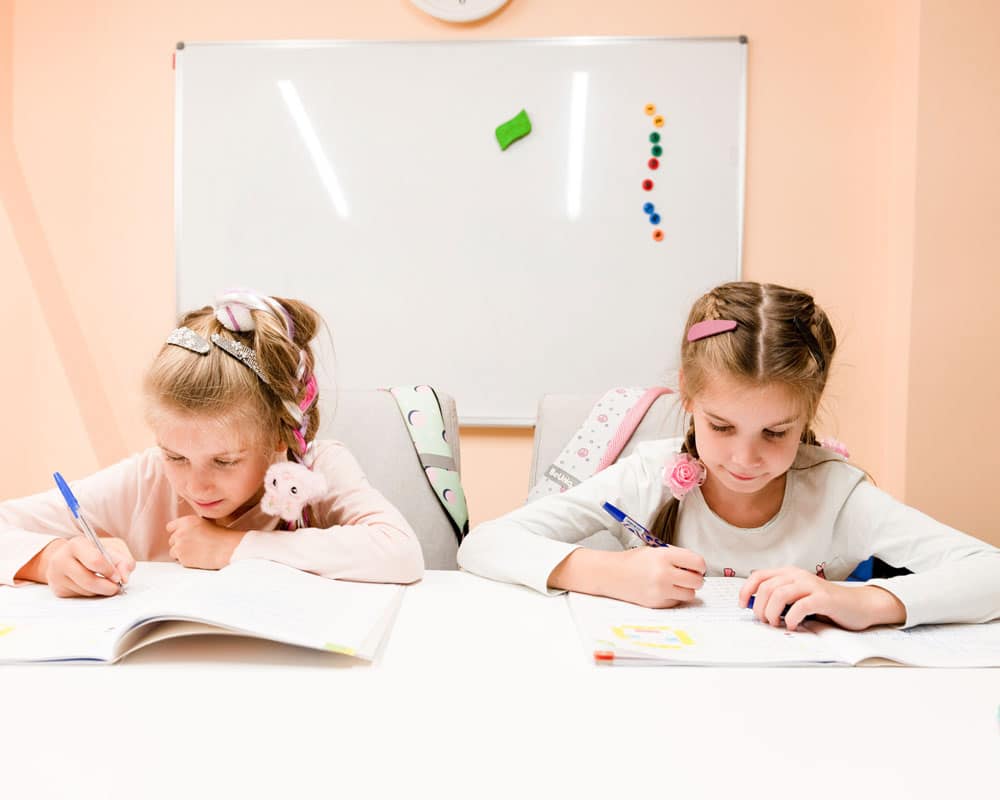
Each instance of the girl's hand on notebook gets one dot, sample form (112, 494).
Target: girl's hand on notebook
(659, 577)
(852, 607)
(200, 543)
(70, 567)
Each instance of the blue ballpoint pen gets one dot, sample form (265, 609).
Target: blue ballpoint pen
(74, 506)
(632, 526)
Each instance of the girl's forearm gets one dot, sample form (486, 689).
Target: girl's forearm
(587, 571)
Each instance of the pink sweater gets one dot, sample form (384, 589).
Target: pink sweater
(359, 535)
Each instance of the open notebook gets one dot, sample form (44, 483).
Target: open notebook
(163, 600)
(714, 630)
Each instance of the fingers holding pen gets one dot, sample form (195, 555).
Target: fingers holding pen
(76, 567)
(92, 558)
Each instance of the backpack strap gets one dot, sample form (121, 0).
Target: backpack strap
(600, 440)
(424, 422)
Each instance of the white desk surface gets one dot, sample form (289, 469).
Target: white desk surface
(485, 690)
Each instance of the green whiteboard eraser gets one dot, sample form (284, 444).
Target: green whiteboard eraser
(514, 129)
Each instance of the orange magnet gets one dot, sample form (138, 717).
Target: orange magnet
(658, 235)
(658, 120)
(650, 109)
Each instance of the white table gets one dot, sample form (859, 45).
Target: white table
(486, 690)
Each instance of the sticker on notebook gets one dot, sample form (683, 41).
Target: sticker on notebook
(663, 637)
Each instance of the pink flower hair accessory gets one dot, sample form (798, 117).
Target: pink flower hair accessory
(833, 444)
(682, 473)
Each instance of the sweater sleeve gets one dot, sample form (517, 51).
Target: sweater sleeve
(361, 536)
(525, 545)
(110, 499)
(956, 577)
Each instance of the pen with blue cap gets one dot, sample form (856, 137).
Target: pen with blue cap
(632, 526)
(639, 530)
(74, 506)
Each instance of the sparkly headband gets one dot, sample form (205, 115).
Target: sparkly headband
(189, 340)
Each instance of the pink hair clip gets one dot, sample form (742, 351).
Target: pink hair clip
(710, 327)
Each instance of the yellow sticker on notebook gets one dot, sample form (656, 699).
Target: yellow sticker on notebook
(5, 629)
(663, 637)
(336, 648)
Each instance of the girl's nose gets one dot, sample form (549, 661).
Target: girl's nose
(746, 455)
(201, 482)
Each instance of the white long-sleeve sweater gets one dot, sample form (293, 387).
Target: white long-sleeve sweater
(830, 519)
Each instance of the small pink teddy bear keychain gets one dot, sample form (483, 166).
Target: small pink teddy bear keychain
(289, 488)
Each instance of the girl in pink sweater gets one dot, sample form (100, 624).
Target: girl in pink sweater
(232, 399)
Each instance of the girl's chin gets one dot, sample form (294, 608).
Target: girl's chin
(211, 512)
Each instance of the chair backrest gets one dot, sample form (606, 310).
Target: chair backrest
(561, 415)
(370, 424)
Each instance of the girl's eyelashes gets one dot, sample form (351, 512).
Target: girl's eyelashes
(219, 462)
(768, 434)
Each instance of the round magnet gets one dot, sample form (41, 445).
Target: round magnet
(647, 184)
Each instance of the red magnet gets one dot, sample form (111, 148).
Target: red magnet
(654, 163)
(647, 184)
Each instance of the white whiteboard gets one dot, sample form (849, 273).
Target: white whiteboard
(365, 178)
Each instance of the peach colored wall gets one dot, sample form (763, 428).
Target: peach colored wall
(86, 236)
(954, 380)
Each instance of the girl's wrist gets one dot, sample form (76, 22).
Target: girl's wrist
(37, 568)
(884, 608)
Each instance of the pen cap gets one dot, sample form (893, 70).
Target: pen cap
(67, 494)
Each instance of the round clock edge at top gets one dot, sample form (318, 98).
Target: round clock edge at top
(455, 11)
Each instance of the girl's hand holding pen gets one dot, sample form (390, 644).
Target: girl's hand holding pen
(75, 567)
(659, 577)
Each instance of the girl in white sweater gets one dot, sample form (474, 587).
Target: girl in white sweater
(747, 493)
